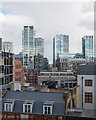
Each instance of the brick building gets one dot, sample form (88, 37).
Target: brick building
(18, 71)
(32, 79)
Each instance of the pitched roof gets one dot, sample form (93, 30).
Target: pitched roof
(39, 98)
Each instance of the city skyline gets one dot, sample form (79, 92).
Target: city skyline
(50, 19)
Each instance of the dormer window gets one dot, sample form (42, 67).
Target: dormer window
(8, 106)
(27, 107)
(47, 108)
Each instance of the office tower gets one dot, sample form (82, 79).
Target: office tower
(8, 47)
(87, 47)
(60, 46)
(39, 46)
(28, 46)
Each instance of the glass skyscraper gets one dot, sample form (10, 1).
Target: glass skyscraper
(39, 46)
(87, 47)
(60, 46)
(28, 46)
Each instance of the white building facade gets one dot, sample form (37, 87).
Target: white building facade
(87, 82)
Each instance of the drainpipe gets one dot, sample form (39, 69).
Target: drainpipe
(82, 92)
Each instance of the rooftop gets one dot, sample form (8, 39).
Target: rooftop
(88, 69)
(37, 96)
(38, 99)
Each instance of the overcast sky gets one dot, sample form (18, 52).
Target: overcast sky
(73, 18)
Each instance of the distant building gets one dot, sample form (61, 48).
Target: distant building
(18, 71)
(45, 64)
(32, 79)
(24, 73)
(71, 63)
(65, 55)
(87, 82)
(8, 47)
(87, 47)
(58, 79)
(79, 55)
(19, 57)
(39, 46)
(15, 86)
(28, 46)
(60, 46)
(40, 63)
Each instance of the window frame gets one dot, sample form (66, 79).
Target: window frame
(27, 108)
(88, 97)
(8, 107)
(88, 83)
(47, 111)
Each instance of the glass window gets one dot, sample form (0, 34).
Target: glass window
(25, 108)
(10, 107)
(88, 97)
(47, 109)
(88, 82)
(6, 107)
(29, 109)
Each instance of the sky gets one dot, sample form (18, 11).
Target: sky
(75, 19)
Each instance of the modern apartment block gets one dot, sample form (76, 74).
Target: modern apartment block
(8, 46)
(87, 82)
(18, 71)
(28, 46)
(60, 46)
(6, 67)
(87, 47)
(39, 46)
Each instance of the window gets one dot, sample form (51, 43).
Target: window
(88, 82)
(47, 109)
(16, 73)
(16, 66)
(27, 108)
(19, 66)
(88, 97)
(8, 107)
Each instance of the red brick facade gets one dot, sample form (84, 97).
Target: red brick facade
(18, 71)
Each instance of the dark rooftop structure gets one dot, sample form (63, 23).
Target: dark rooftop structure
(88, 69)
(38, 98)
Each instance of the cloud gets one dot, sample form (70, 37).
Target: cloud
(12, 26)
(87, 7)
(49, 19)
(86, 20)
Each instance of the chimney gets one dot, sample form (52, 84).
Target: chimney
(66, 98)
